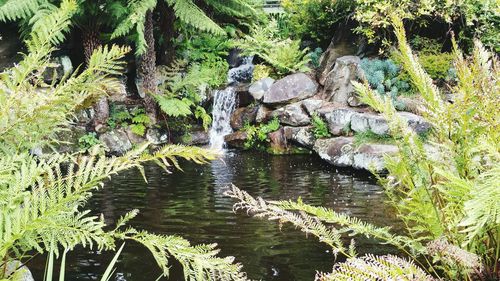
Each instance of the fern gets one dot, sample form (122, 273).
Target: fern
(12, 10)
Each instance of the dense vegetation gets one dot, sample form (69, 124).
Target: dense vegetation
(444, 187)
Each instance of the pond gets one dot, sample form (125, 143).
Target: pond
(191, 203)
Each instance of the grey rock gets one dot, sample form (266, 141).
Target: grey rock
(16, 270)
(369, 122)
(60, 67)
(416, 122)
(119, 93)
(312, 105)
(260, 88)
(116, 141)
(339, 120)
(277, 141)
(263, 114)
(292, 115)
(198, 138)
(134, 139)
(300, 135)
(371, 156)
(156, 137)
(336, 151)
(334, 51)
(338, 87)
(290, 89)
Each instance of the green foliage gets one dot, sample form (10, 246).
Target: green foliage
(261, 71)
(257, 135)
(283, 55)
(137, 119)
(88, 141)
(315, 57)
(182, 92)
(320, 128)
(315, 19)
(42, 199)
(475, 18)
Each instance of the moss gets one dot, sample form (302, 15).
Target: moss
(370, 137)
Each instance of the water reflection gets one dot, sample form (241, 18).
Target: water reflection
(191, 204)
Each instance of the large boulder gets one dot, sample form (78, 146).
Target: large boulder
(293, 115)
(338, 87)
(195, 138)
(371, 156)
(156, 136)
(300, 135)
(116, 141)
(339, 120)
(258, 89)
(376, 123)
(290, 89)
(236, 139)
(16, 270)
(334, 51)
(312, 105)
(336, 151)
(242, 116)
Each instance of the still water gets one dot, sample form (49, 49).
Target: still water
(191, 203)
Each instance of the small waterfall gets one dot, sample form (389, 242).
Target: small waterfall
(224, 105)
(241, 73)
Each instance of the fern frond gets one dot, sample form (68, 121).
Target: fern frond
(188, 12)
(13, 10)
(374, 268)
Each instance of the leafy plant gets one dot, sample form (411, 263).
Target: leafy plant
(370, 137)
(136, 120)
(182, 92)
(320, 128)
(257, 135)
(88, 141)
(261, 71)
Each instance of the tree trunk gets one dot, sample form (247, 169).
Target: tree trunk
(91, 42)
(166, 23)
(147, 68)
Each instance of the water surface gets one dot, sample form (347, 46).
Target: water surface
(191, 204)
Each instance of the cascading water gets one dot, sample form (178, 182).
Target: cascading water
(224, 105)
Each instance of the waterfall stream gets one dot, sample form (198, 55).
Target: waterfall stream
(224, 105)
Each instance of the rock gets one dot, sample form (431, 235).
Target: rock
(371, 156)
(416, 122)
(140, 87)
(369, 122)
(242, 116)
(234, 58)
(312, 105)
(376, 123)
(60, 67)
(85, 116)
(16, 270)
(338, 87)
(263, 114)
(334, 51)
(243, 96)
(300, 135)
(277, 141)
(336, 151)
(339, 120)
(198, 138)
(69, 139)
(119, 93)
(290, 89)
(134, 138)
(292, 115)
(260, 88)
(155, 136)
(116, 141)
(236, 139)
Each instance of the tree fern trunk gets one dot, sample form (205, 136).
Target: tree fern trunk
(147, 68)
(91, 42)
(166, 23)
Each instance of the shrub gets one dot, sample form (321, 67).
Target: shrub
(261, 71)
(137, 119)
(320, 128)
(316, 19)
(382, 75)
